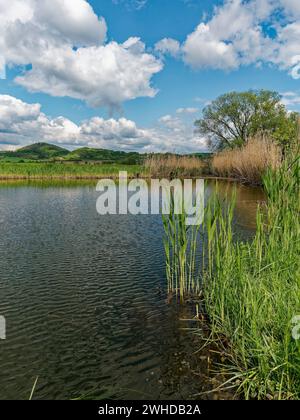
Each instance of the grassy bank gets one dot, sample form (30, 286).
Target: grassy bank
(251, 289)
(155, 167)
(247, 164)
(64, 171)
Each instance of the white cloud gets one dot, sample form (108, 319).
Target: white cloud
(234, 36)
(187, 110)
(132, 4)
(103, 76)
(15, 111)
(244, 32)
(22, 123)
(63, 40)
(174, 134)
(55, 21)
(168, 46)
(203, 50)
(173, 123)
(292, 7)
(73, 19)
(291, 99)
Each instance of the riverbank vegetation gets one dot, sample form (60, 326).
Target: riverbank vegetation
(251, 289)
(234, 118)
(173, 166)
(250, 132)
(250, 162)
(33, 170)
(43, 160)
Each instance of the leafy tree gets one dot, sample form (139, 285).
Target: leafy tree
(232, 119)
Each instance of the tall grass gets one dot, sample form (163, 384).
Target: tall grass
(252, 290)
(180, 244)
(171, 166)
(250, 162)
(63, 171)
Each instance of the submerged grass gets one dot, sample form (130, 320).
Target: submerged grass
(252, 289)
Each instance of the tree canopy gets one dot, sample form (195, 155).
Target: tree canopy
(232, 119)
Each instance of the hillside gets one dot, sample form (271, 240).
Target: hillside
(46, 152)
(49, 152)
(37, 151)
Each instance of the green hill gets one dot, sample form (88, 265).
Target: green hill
(49, 152)
(41, 151)
(37, 151)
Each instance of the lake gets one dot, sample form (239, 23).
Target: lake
(84, 297)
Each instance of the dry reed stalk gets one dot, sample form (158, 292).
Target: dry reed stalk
(250, 162)
(171, 166)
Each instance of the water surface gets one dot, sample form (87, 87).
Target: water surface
(85, 301)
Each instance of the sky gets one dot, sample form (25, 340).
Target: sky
(134, 75)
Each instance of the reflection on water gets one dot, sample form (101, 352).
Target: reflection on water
(84, 299)
(247, 201)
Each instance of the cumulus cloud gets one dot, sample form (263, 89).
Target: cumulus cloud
(22, 123)
(232, 37)
(63, 43)
(292, 7)
(168, 46)
(178, 136)
(202, 49)
(103, 76)
(187, 110)
(291, 99)
(15, 111)
(132, 4)
(244, 32)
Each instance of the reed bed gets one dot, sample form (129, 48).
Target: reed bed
(64, 171)
(171, 166)
(250, 162)
(180, 245)
(251, 289)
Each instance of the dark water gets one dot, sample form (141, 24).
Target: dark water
(85, 303)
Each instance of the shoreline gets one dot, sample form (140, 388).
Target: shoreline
(94, 177)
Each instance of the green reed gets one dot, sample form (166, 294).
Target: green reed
(55, 170)
(252, 290)
(180, 244)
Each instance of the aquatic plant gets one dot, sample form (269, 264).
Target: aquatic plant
(252, 290)
(180, 244)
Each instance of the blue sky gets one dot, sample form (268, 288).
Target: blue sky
(209, 48)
